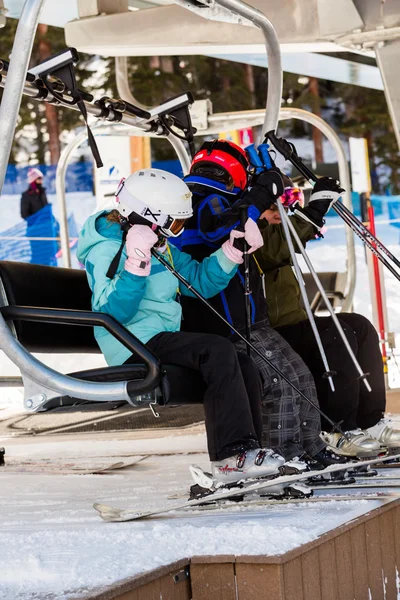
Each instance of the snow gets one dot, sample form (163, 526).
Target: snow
(54, 545)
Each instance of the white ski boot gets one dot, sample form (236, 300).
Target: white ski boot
(359, 444)
(250, 464)
(385, 434)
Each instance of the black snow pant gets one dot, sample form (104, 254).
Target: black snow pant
(351, 403)
(232, 412)
(291, 425)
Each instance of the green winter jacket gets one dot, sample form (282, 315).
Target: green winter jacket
(281, 286)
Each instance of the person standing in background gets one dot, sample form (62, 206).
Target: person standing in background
(34, 198)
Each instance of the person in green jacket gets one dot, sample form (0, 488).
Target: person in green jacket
(360, 412)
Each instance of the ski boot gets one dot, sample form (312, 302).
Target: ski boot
(358, 445)
(235, 470)
(249, 464)
(386, 435)
(323, 459)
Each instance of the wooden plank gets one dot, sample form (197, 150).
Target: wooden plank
(374, 557)
(259, 581)
(359, 562)
(213, 581)
(345, 583)
(150, 591)
(171, 590)
(132, 595)
(311, 575)
(328, 571)
(386, 529)
(396, 520)
(292, 580)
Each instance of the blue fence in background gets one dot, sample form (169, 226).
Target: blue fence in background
(16, 245)
(79, 178)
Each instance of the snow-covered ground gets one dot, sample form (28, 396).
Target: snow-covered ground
(53, 544)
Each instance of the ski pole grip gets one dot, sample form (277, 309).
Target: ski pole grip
(263, 152)
(254, 158)
(243, 214)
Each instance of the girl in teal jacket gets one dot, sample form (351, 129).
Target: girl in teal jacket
(144, 296)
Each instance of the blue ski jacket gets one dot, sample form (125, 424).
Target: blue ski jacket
(144, 305)
(214, 216)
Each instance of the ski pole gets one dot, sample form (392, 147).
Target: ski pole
(375, 246)
(243, 211)
(288, 151)
(284, 218)
(263, 158)
(336, 321)
(368, 233)
(171, 269)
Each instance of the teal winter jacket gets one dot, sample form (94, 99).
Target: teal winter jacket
(144, 305)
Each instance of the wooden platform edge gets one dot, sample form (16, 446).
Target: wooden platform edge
(354, 561)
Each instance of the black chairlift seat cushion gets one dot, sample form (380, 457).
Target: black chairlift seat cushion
(25, 284)
(180, 386)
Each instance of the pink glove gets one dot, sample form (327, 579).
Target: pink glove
(252, 236)
(139, 242)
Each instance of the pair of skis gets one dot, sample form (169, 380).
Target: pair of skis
(112, 514)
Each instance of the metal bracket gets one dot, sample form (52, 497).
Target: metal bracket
(182, 575)
(153, 410)
(35, 394)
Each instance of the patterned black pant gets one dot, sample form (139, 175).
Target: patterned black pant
(291, 426)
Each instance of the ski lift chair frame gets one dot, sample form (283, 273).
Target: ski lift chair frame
(41, 383)
(43, 307)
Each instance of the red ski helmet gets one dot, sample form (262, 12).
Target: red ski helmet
(229, 157)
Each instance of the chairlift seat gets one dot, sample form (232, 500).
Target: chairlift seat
(44, 306)
(333, 284)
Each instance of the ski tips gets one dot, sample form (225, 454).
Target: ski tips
(107, 513)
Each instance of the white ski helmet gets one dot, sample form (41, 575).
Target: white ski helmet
(159, 197)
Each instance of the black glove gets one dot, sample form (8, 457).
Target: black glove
(325, 192)
(266, 189)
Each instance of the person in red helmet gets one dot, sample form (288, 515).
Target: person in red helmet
(218, 180)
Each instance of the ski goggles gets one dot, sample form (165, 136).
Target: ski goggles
(212, 171)
(292, 196)
(127, 204)
(173, 228)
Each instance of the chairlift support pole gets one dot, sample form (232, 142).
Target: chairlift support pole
(236, 11)
(12, 95)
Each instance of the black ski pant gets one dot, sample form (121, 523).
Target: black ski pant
(351, 403)
(232, 412)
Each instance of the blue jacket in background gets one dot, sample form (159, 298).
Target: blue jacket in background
(144, 305)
